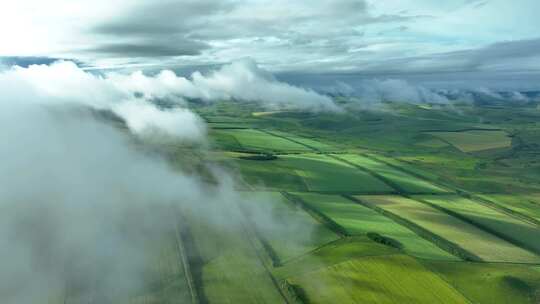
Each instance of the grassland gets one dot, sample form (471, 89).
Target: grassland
(475, 140)
(504, 225)
(402, 180)
(379, 279)
(477, 241)
(492, 283)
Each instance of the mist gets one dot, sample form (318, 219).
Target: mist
(80, 197)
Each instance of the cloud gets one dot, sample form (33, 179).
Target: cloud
(240, 80)
(84, 206)
(64, 83)
(246, 81)
(375, 91)
(144, 118)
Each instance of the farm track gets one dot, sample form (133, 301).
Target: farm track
(183, 255)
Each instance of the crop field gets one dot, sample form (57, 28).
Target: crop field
(527, 204)
(230, 270)
(309, 142)
(346, 210)
(324, 174)
(503, 224)
(404, 181)
(380, 279)
(483, 244)
(500, 284)
(254, 140)
(357, 219)
(474, 141)
(309, 172)
(295, 232)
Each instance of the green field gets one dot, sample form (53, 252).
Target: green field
(357, 219)
(309, 142)
(474, 141)
(229, 268)
(503, 224)
(309, 172)
(293, 232)
(254, 140)
(492, 283)
(324, 174)
(485, 245)
(404, 181)
(527, 204)
(380, 279)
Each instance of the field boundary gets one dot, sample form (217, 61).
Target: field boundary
(436, 239)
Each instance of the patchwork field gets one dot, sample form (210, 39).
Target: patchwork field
(502, 224)
(484, 245)
(357, 219)
(382, 279)
(527, 204)
(293, 231)
(474, 141)
(404, 181)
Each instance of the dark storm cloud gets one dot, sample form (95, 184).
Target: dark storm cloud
(151, 49)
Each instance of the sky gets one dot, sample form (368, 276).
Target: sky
(439, 44)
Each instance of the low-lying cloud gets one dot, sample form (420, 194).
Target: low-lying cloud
(240, 80)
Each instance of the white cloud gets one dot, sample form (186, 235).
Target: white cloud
(64, 82)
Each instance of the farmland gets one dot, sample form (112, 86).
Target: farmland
(357, 219)
(383, 279)
(486, 246)
(407, 205)
(504, 225)
(400, 179)
(475, 140)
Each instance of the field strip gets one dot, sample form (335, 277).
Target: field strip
(477, 224)
(460, 192)
(495, 206)
(436, 239)
(376, 175)
(291, 140)
(317, 215)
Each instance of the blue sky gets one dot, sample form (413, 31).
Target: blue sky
(486, 42)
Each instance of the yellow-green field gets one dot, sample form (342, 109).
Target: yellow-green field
(477, 140)
(357, 219)
(381, 279)
(494, 220)
(485, 245)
